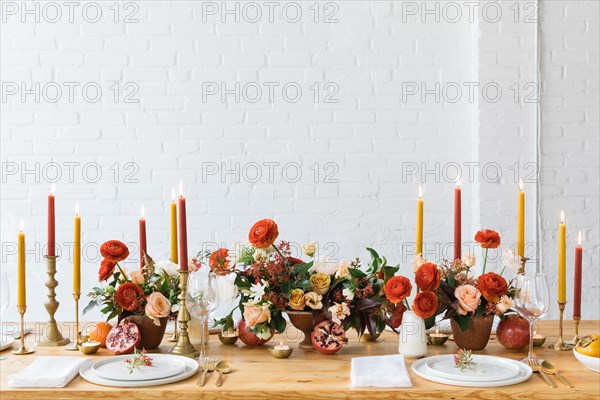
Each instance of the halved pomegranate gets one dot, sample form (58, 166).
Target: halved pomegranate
(328, 337)
(123, 338)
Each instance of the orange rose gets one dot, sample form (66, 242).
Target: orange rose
(114, 251)
(130, 296)
(106, 269)
(468, 297)
(254, 315)
(263, 233)
(425, 304)
(397, 288)
(158, 306)
(492, 286)
(488, 239)
(428, 277)
(218, 262)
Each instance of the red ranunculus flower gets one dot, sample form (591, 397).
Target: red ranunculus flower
(397, 288)
(114, 250)
(263, 233)
(106, 269)
(428, 277)
(492, 286)
(488, 239)
(218, 262)
(425, 304)
(130, 296)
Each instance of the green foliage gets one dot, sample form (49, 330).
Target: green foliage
(463, 321)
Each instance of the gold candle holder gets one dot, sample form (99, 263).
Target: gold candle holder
(175, 336)
(560, 345)
(75, 345)
(183, 347)
(53, 336)
(22, 349)
(576, 321)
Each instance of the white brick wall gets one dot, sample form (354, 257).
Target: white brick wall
(378, 58)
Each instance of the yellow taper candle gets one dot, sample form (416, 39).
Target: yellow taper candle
(521, 222)
(419, 229)
(562, 259)
(77, 252)
(174, 257)
(22, 293)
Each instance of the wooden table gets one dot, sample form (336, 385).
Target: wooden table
(257, 375)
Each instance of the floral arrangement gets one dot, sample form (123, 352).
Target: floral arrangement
(461, 295)
(151, 291)
(138, 360)
(464, 360)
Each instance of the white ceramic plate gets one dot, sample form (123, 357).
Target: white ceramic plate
(488, 368)
(6, 342)
(420, 368)
(115, 368)
(191, 367)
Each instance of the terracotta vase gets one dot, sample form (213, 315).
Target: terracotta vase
(248, 337)
(152, 335)
(303, 321)
(477, 335)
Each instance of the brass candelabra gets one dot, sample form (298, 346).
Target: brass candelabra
(560, 345)
(53, 336)
(22, 349)
(183, 347)
(77, 341)
(576, 321)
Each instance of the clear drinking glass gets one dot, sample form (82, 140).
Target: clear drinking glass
(532, 300)
(202, 298)
(4, 298)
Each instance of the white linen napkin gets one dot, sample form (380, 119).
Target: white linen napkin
(383, 371)
(47, 371)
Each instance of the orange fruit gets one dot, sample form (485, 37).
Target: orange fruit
(589, 346)
(99, 332)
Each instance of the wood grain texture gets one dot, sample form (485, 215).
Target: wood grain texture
(257, 375)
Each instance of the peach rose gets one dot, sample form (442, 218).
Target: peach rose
(256, 314)
(468, 298)
(157, 306)
(137, 277)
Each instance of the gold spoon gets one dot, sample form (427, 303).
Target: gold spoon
(551, 369)
(223, 367)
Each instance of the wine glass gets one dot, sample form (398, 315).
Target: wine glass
(532, 300)
(4, 299)
(202, 299)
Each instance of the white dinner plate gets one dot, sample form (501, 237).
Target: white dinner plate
(6, 342)
(191, 367)
(115, 368)
(420, 368)
(488, 368)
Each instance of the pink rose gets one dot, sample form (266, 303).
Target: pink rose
(468, 298)
(157, 306)
(137, 277)
(255, 314)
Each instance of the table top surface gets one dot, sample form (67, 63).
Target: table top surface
(256, 374)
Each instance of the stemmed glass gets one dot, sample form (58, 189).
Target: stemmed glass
(532, 300)
(4, 298)
(202, 299)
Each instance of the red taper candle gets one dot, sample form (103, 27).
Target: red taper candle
(457, 222)
(181, 216)
(51, 225)
(143, 245)
(577, 285)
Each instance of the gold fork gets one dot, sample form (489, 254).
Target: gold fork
(208, 366)
(535, 366)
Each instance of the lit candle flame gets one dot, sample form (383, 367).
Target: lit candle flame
(77, 209)
(173, 194)
(579, 239)
(181, 188)
(437, 330)
(22, 226)
(52, 189)
(521, 185)
(420, 192)
(562, 217)
(281, 344)
(458, 184)
(534, 333)
(143, 211)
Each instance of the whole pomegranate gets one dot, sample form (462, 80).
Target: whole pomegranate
(123, 338)
(328, 337)
(248, 337)
(513, 332)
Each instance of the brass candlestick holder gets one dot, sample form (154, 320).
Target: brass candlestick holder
(560, 345)
(22, 349)
(184, 346)
(175, 336)
(53, 336)
(576, 321)
(75, 345)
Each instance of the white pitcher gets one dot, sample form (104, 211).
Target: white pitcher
(412, 341)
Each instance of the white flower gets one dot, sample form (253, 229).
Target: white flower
(418, 261)
(169, 267)
(264, 333)
(504, 304)
(348, 294)
(309, 249)
(313, 300)
(339, 312)
(469, 259)
(512, 260)
(261, 255)
(326, 266)
(342, 269)
(257, 290)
